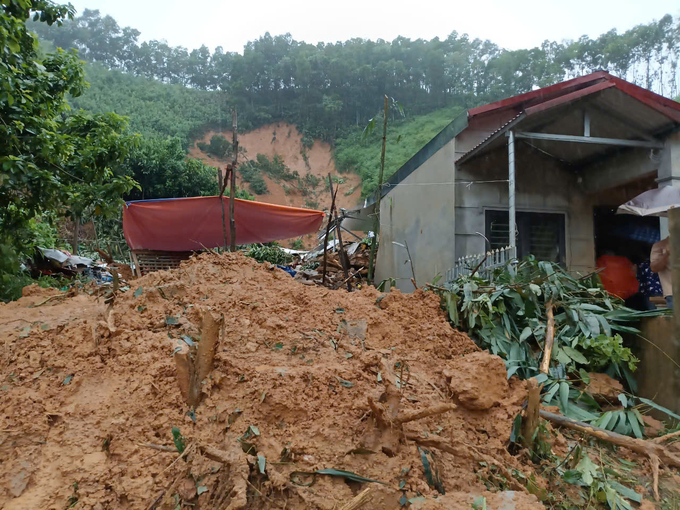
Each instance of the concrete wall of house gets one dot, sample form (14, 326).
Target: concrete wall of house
(542, 185)
(421, 211)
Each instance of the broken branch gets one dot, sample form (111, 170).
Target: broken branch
(424, 413)
(549, 337)
(648, 448)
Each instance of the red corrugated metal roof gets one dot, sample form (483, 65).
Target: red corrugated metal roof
(572, 96)
(571, 89)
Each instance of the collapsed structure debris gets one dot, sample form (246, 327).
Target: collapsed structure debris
(311, 268)
(307, 398)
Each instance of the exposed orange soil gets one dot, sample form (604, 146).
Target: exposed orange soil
(79, 395)
(285, 140)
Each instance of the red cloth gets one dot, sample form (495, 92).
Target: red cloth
(618, 275)
(191, 224)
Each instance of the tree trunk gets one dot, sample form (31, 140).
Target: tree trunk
(76, 234)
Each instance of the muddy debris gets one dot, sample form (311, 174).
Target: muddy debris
(289, 392)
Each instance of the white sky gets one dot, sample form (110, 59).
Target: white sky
(510, 24)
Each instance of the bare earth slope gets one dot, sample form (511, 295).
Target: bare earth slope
(285, 140)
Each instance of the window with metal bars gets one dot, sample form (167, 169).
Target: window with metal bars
(539, 234)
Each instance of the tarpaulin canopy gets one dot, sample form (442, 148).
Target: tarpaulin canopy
(654, 202)
(191, 224)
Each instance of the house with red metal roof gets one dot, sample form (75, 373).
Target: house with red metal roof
(539, 173)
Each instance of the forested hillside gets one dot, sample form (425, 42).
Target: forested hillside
(326, 87)
(152, 107)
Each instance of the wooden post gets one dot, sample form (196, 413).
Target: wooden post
(342, 254)
(376, 228)
(328, 228)
(511, 188)
(232, 187)
(223, 184)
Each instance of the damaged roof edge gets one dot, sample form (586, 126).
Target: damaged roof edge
(453, 129)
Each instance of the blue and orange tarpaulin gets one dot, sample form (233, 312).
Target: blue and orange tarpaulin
(192, 224)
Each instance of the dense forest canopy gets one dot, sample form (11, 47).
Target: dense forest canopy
(326, 87)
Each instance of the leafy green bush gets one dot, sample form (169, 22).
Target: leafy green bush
(297, 244)
(252, 175)
(311, 204)
(219, 147)
(272, 254)
(312, 181)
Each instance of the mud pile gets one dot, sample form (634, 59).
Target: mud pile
(304, 379)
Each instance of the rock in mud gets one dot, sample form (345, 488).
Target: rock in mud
(478, 381)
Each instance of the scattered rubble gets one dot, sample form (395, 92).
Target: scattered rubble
(310, 268)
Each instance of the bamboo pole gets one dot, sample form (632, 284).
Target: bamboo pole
(232, 186)
(376, 228)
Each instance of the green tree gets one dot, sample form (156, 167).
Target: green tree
(163, 171)
(161, 167)
(98, 146)
(50, 161)
(33, 145)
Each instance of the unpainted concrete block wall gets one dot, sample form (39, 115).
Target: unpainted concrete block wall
(542, 185)
(421, 211)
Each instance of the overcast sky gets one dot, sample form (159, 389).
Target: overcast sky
(510, 24)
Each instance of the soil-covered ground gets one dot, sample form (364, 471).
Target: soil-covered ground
(304, 379)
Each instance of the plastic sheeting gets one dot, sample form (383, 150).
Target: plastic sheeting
(191, 224)
(654, 202)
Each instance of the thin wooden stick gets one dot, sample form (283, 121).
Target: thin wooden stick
(661, 439)
(357, 502)
(549, 337)
(158, 447)
(376, 228)
(184, 454)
